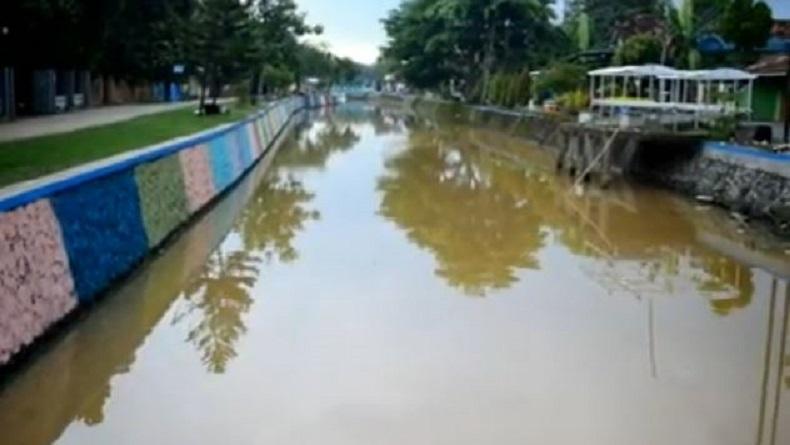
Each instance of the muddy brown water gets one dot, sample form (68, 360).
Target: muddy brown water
(394, 279)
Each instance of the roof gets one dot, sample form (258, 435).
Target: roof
(665, 72)
(768, 66)
(781, 28)
(718, 74)
(636, 70)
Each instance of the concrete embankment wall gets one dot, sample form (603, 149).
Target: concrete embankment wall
(751, 182)
(65, 240)
(745, 180)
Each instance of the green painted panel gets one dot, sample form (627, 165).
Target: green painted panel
(162, 197)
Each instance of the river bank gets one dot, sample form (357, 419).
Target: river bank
(752, 184)
(70, 237)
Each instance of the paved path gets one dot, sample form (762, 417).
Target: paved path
(61, 123)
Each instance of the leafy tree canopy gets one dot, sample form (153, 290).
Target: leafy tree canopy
(746, 23)
(435, 42)
(638, 50)
(220, 41)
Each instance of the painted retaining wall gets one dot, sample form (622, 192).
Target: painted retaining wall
(64, 241)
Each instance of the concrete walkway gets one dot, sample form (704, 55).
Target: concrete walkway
(62, 123)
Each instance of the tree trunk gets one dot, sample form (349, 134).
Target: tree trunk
(203, 84)
(106, 88)
(665, 47)
(488, 58)
(255, 87)
(215, 87)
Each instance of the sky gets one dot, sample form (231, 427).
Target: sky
(352, 28)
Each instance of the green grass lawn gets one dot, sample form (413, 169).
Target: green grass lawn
(35, 157)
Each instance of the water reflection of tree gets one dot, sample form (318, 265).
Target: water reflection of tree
(317, 142)
(473, 217)
(387, 121)
(274, 216)
(729, 284)
(221, 295)
(655, 258)
(453, 181)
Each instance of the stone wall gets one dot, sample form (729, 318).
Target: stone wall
(750, 182)
(64, 241)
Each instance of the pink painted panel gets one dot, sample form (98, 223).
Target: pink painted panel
(198, 180)
(36, 287)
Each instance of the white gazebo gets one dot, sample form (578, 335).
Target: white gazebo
(658, 89)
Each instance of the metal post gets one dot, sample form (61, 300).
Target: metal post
(787, 102)
(749, 99)
(652, 88)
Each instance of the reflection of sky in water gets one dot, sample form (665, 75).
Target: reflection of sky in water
(354, 323)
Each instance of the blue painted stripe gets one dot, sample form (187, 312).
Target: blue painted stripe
(221, 163)
(246, 147)
(25, 197)
(740, 150)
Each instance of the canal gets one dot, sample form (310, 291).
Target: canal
(401, 279)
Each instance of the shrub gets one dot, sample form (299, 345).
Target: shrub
(723, 128)
(560, 79)
(574, 101)
(507, 89)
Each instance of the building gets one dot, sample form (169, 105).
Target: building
(770, 98)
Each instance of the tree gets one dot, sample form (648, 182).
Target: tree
(223, 43)
(559, 79)
(747, 24)
(679, 38)
(279, 26)
(638, 50)
(438, 43)
(27, 18)
(602, 16)
(583, 32)
(418, 47)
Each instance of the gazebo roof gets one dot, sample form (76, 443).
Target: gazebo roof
(665, 72)
(718, 74)
(637, 70)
